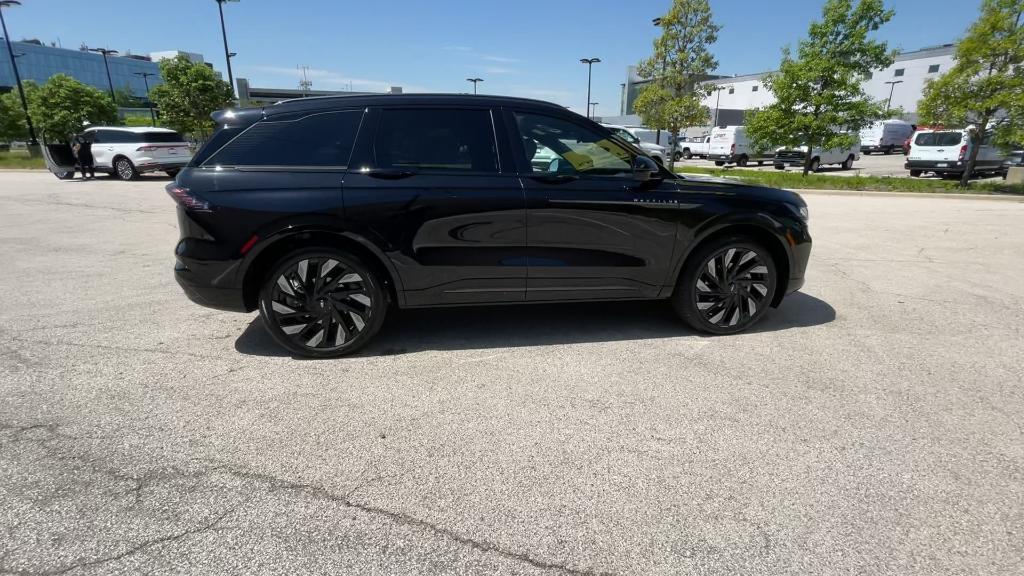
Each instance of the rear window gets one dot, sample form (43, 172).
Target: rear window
(938, 139)
(318, 140)
(160, 137)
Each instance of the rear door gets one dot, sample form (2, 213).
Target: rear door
(167, 147)
(429, 187)
(941, 146)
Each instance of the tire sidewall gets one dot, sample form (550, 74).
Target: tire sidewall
(378, 295)
(117, 172)
(684, 298)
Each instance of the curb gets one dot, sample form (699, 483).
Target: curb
(967, 196)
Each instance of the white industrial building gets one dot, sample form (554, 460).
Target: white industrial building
(736, 95)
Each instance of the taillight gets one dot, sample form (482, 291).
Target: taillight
(732, 149)
(182, 196)
(963, 152)
(146, 148)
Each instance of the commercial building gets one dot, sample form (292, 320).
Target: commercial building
(734, 96)
(252, 96)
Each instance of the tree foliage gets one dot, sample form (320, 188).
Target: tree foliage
(818, 95)
(986, 81)
(63, 106)
(677, 68)
(12, 118)
(189, 94)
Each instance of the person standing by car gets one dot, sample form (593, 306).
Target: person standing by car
(82, 148)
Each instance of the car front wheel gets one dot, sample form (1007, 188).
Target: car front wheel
(125, 170)
(726, 286)
(322, 303)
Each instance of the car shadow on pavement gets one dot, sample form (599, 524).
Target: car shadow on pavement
(486, 327)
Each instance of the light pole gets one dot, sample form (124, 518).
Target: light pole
(593, 109)
(17, 77)
(590, 64)
(149, 103)
(474, 81)
(106, 65)
(718, 99)
(224, 33)
(657, 23)
(892, 86)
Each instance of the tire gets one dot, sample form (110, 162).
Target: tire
(815, 164)
(760, 162)
(335, 321)
(779, 166)
(741, 161)
(676, 157)
(916, 173)
(124, 169)
(888, 151)
(719, 163)
(65, 175)
(173, 172)
(729, 305)
(848, 163)
(687, 154)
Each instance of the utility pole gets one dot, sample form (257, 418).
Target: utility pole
(590, 64)
(304, 84)
(17, 77)
(149, 103)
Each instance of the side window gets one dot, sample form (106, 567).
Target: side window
(323, 139)
(441, 139)
(556, 145)
(97, 137)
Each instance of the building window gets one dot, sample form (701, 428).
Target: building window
(898, 72)
(732, 90)
(933, 68)
(754, 89)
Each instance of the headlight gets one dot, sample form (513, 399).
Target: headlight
(800, 211)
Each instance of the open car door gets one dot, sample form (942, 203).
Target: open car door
(59, 160)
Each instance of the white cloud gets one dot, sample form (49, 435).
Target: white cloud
(459, 48)
(495, 69)
(501, 59)
(332, 80)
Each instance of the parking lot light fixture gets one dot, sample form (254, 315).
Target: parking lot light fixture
(590, 64)
(17, 76)
(224, 34)
(593, 109)
(892, 86)
(107, 52)
(474, 81)
(149, 103)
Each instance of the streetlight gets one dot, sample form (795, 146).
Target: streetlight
(474, 81)
(718, 99)
(590, 64)
(657, 23)
(145, 78)
(106, 65)
(593, 109)
(224, 33)
(892, 86)
(17, 77)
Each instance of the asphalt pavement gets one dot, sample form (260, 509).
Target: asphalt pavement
(871, 425)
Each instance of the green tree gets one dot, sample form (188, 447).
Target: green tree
(677, 68)
(125, 98)
(987, 78)
(12, 116)
(818, 94)
(63, 106)
(189, 94)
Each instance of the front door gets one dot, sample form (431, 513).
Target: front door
(430, 189)
(593, 231)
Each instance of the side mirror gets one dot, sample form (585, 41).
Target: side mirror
(644, 168)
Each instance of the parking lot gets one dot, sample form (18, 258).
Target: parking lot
(870, 425)
(868, 165)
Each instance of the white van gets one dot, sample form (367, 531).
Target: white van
(819, 157)
(885, 136)
(729, 144)
(945, 152)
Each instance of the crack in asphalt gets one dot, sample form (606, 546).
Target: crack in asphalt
(138, 484)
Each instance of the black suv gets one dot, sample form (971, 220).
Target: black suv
(325, 212)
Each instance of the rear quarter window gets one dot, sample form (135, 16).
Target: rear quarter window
(322, 139)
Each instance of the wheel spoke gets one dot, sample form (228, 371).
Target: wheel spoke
(732, 287)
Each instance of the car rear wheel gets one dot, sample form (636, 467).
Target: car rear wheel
(848, 163)
(742, 161)
(687, 154)
(124, 169)
(173, 172)
(719, 163)
(322, 303)
(915, 173)
(815, 164)
(726, 286)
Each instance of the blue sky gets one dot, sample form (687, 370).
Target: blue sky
(520, 47)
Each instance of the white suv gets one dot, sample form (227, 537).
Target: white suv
(127, 152)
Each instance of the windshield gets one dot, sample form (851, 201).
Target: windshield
(938, 139)
(625, 135)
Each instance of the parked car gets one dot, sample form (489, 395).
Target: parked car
(945, 153)
(1013, 159)
(819, 157)
(655, 151)
(885, 136)
(699, 146)
(729, 144)
(124, 152)
(324, 213)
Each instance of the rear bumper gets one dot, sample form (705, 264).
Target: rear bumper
(727, 158)
(161, 165)
(200, 288)
(877, 148)
(948, 166)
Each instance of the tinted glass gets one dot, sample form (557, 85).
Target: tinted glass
(323, 139)
(436, 139)
(625, 135)
(556, 145)
(899, 72)
(933, 68)
(938, 139)
(157, 137)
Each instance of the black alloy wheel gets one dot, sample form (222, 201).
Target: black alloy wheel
(322, 303)
(726, 286)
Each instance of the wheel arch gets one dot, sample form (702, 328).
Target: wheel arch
(746, 229)
(275, 247)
